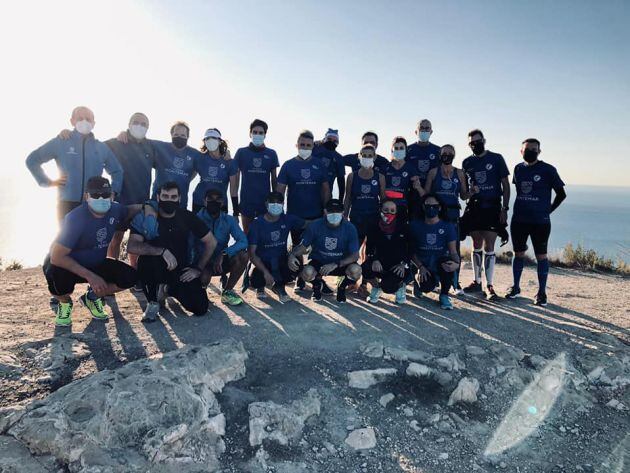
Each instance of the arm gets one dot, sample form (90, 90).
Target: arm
(209, 245)
(381, 180)
(430, 176)
(257, 262)
(240, 239)
(42, 155)
(341, 178)
(325, 192)
(114, 169)
(132, 211)
(281, 188)
(274, 178)
(348, 197)
(352, 258)
(561, 194)
(463, 190)
(505, 184)
(234, 183)
(139, 247)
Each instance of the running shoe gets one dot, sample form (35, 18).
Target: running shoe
(401, 295)
(491, 295)
(260, 293)
(279, 289)
(317, 291)
(151, 312)
(230, 297)
(63, 316)
(473, 287)
(375, 293)
(300, 285)
(445, 302)
(362, 291)
(513, 293)
(417, 292)
(540, 299)
(94, 305)
(137, 287)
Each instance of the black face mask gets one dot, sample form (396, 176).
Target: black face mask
(447, 158)
(529, 155)
(213, 207)
(330, 145)
(168, 206)
(478, 148)
(179, 142)
(431, 211)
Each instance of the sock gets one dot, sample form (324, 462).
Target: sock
(543, 271)
(456, 279)
(476, 262)
(488, 266)
(517, 270)
(91, 295)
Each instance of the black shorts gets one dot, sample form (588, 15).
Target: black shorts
(364, 224)
(296, 234)
(485, 219)
(281, 274)
(61, 281)
(538, 232)
(338, 271)
(225, 265)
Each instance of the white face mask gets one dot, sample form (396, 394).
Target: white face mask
(366, 162)
(424, 136)
(399, 154)
(304, 153)
(138, 131)
(212, 144)
(334, 218)
(84, 127)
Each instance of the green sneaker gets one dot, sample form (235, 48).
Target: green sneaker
(231, 298)
(96, 307)
(63, 314)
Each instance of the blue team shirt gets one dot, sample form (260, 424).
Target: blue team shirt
(172, 164)
(271, 238)
(423, 159)
(332, 162)
(255, 165)
(214, 173)
(330, 244)
(399, 180)
(364, 195)
(304, 180)
(430, 241)
(486, 172)
(448, 190)
(533, 191)
(88, 236)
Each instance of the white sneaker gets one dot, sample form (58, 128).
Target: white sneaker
(151, 312)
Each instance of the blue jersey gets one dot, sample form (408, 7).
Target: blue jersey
(399, 180)
(271, 238)
(332, 162)
(137, 158)
(430, 241)
(304, 179)
(364, 195)
(423, 158)
(330, 244)
(533, 191)
(486, 173)
(88, 236)
(255, 165)
(172, 164)
(214, 173)
(448, 190)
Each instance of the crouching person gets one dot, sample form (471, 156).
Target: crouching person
(268, 237)
(79, 253)
(334, 250)
(163, 263)
(386, 266)
(434, 250)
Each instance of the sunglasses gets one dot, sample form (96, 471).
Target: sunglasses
(100, 195)
(447, 156)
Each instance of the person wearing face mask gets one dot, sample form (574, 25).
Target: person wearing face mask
(216, 171)
(164, 263)
(227, 261)
(386, 265)
(352, 160)
(422, 156)
(449, 184)
(485, 216)
(332, 161)
(434, 251)
(399, 177)
(78, 158)
(306, 184)
(268, 237)
(534, 180)
(333, 247)
(79, 253)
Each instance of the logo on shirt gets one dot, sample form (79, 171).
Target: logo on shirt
(330, 243)
(222, 166)
(423, 166)
(441, 231)
(431, 156)
(178, 162)
(374, 182)
(431, 238)
(305, 173)
(213, 172)
(488, 166)
(111, 220)
(326, 162)
(526, 187)
(481, 177)
(257, 162)
(275, 235)
(366, 188)
(71, 150)
(101, 234)
(536, 178)
(396, 181)
(405, 173)
(446, 184)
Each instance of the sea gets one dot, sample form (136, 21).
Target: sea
(596, 217)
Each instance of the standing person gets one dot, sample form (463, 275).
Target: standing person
(334, 251)
(386, 266)
(485, 217)
(434, 250)
(78, 158)
(227, 261)
(423, 156)
(449, 184)
(352, 160)
(307, 186)
(164, 265)
(399, 176)
(216, 171)
(257, 167)
(268, 237)
(534, 181)
(332, 161)
(79, 253)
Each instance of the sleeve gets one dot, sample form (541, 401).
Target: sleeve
(237, 158)
(197, 226)
(556, 181)
(274, 160)
(70, 231)
(253, 234)
(283, 177)
(114, 169)
(42, 155)
(451, 233)
(232, 168)
(308, 235)
(341, 168)
(503, 169)
(353, 239)
(349, 159)
(240, 239)
(514, 175)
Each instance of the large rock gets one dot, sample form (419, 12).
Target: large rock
(150, 415)
(373, 349)
(15, 458)
(400, 354)
(451, 363)
(362, 439)
(466, 391)
(365, 378)
(283, 424)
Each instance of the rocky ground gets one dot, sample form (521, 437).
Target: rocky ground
(320, 387)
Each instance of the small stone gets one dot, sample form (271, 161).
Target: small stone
(386, 399)
(562, 429)
(408, 411)
(473, 350)
(415, 426)
(365, 378)
(372, 350)
(443, 456)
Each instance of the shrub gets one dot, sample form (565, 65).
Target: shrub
(13, 266)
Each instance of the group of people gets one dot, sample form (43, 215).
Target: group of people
(396, 221)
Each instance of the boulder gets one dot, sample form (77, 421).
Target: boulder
(373, 349)
(466, 391)
(365, 378)
(386, 399)
(451, 363)
(362, 439)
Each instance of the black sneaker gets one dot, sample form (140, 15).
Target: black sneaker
(417, 293)
(326, 290)
(513, 293)
(540, 299)
(473, 287)
(491, 295)
(283, 297)
(341, 291)
(317, 291)
(300, 285)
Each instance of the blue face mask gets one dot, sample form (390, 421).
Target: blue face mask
(334, 219)
(431, 211)
(399, 154)
(424, 136)
(275, 208)
(258, 140)
(99, 206)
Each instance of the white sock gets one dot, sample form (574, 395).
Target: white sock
(488, 266)
(476, 262)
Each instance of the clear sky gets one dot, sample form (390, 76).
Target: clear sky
(555, 70)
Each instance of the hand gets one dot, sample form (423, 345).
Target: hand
(217, 266)
(474, 190)
(269, 279)
(377, 267)
(503, 216)
(150, 211)
(169, 258)
(189, 274)
(64, 134)
(317, 142)
(423, 274)
(328, 268)
(293, 263)
(236, 211)
(59, 182)
(122, 137)
(97, 284)
(399, 270)
(450, 266)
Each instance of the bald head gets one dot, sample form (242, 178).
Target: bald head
(82, 113)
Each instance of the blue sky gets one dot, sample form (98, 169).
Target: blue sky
(558, 71)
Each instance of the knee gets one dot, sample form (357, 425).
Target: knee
(541, 257)
(520, 254)
(309, 273)
(242, 258)
(353, 271)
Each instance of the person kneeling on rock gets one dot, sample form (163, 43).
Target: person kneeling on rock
(334, 251)
(434, 250)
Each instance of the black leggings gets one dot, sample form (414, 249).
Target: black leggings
(61, 281)
(281, 274)
(436, 276)
(153, 271)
